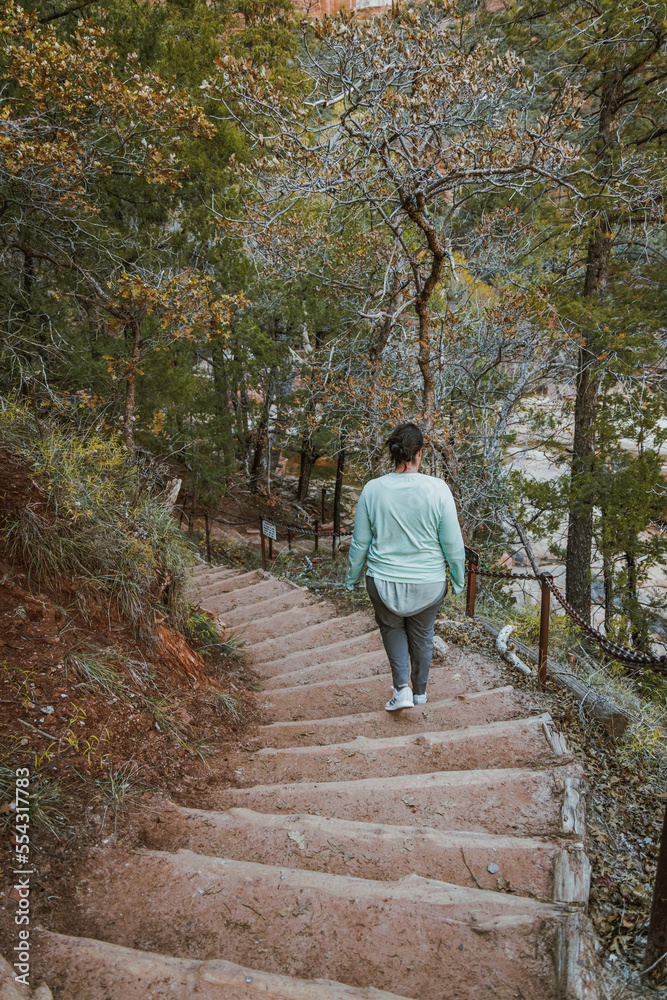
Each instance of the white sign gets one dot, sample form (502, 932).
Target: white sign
(269, 530)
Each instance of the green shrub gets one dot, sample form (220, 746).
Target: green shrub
(204, 628)
(45, 801)
(526, 621)
(103, 521)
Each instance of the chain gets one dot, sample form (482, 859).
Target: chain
(234, 524)
(297, 529)
(612, 648)
(500, 575)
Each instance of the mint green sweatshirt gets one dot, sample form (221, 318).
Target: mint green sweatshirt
(407, 531)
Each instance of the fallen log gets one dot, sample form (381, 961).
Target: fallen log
(614, 719)
(508, 654)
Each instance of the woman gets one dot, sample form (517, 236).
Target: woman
(407, 531)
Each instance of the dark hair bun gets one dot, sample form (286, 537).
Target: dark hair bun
(404, 443)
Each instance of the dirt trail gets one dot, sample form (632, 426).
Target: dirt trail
(435, 852)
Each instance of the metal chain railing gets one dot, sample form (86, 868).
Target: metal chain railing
(548, 587)
(273, 526)
(612, 648)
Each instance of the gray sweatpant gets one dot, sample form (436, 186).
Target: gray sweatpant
(408, 641)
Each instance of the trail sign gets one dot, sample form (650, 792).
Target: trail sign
(269, 530)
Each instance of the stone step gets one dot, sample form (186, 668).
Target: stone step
(238, 581)
(544, 869)
(369, 643)
(366, 665)
(293, 598)
(451, 713)
(202, 570)
(344, 627)
(506, 801)
(325, 699)
(85, 969)
(410, 936)
(360, 665)
(514, 743)
(210, 576)
(256, 591)
(286, 624)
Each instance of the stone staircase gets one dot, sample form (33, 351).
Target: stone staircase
(426, 854)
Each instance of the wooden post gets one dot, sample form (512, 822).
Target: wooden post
(543, 645)
(471, 591)
(656, 943)
(324, 500)
(338, 492)
(193, 509)
(317, 536)
(472, 558)
(270, 548)
(289, 539)
(263, 540)
(208, 538)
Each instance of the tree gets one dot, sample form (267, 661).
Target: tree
(403, 127)
(183, 305)
(630, 496)
(70, 120)
(605, 234)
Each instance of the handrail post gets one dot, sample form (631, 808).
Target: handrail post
(270, 548)
(261, 533)
(324, 501)
(317, 536)
(543, 646)
(471, 592)
(289, 539)
(208, 538)
(656, 942)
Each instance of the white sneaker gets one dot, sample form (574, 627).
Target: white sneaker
(420, 699)
(400, 699)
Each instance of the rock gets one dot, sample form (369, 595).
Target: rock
(440, 648)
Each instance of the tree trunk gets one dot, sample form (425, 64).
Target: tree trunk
(308, 458)
(415, 210)
(241, 408)
(373, 415)
(639, 635)
(131, 385)
(256, 465)
(260, 439)
(338, 492)
(438, 439)
(580, 523)
(607, 571)
(223, 407)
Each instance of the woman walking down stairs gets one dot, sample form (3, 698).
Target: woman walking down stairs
(422, 854)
